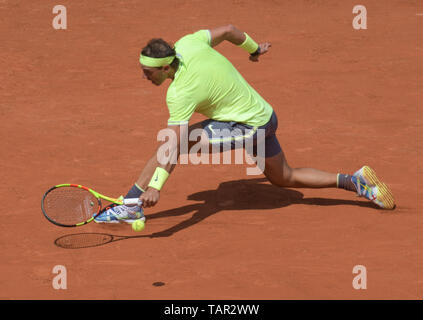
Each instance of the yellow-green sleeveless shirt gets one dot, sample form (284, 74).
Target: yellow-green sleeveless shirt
(207, 83)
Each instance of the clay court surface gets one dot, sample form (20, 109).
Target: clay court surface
(75, 109)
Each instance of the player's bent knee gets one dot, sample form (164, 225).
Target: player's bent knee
(283, 178)
(279, 183)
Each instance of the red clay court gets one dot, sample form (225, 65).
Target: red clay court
(75, 109)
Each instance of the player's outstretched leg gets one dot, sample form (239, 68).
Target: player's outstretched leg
(364, 182)
(279, 173)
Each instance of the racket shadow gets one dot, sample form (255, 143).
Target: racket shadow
(90, 239)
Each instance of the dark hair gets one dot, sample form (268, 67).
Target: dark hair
(158, 48)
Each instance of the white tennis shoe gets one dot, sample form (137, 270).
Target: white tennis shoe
(369, 186)
(121, 213)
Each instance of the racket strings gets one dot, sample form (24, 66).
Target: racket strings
(70, 205)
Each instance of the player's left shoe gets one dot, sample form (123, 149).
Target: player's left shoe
(370, 187)
(120, 213)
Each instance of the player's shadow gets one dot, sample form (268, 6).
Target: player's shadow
(247, 194)
(250, 195)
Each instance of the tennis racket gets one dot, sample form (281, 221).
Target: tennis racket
(73, 205)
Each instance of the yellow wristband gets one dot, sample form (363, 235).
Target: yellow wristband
(249, 44)
(159, 178)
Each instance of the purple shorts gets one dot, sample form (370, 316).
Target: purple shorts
(229, 135)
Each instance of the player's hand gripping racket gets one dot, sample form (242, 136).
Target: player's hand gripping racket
(72, 205)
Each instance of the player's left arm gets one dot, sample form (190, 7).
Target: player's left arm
(160, 166)
(237, 37)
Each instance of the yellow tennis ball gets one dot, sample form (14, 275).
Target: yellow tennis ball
(138, 225)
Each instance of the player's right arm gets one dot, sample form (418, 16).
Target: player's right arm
(237, 37)
(229, 33)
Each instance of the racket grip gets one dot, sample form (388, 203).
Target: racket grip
(132, 202)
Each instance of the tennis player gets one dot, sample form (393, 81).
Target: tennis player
(204, 81)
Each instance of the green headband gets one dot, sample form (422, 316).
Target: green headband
(156, 62)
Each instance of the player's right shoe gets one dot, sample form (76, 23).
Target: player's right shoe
(120, 213)
(370, 187)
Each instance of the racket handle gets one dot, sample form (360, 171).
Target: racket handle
(132, 202)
